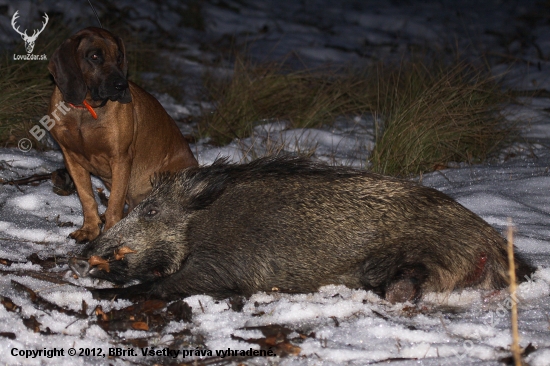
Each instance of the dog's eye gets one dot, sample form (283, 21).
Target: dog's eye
(95, 57)
(152, 212)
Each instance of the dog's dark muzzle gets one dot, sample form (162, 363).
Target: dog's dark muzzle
(114, 89)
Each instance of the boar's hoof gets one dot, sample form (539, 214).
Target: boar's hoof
(406, 286)
(401, 291)
(80, 267)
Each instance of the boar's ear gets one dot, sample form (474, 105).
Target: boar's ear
(204, 193)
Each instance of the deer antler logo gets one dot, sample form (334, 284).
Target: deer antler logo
(29, 41)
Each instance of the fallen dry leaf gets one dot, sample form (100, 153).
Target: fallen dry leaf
(8, 304)
(32, 324)
(101, 263)
(99, 312)
(275, 338)
(140, 326)
(119, 254)
(289, 348)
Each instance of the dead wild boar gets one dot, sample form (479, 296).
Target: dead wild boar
(289, 224)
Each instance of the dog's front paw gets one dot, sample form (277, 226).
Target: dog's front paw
(84, 235)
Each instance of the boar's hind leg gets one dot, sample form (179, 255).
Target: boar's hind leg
(400, 285)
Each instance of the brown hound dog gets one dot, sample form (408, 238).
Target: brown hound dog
(113, 129)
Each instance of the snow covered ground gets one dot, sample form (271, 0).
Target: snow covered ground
(336, 325)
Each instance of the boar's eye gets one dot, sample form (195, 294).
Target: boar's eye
(150, 211)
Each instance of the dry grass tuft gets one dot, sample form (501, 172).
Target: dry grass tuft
(258, 93)
(432, 114)
(435, 114)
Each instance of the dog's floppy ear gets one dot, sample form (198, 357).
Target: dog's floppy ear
(66, 72)
(126, 96)
(122, 49)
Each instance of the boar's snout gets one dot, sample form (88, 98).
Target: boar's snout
(79, 267)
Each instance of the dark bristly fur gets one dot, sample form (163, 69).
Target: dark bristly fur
(295, 225)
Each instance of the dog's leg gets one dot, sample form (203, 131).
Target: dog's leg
(81, 177)
(120, 170)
